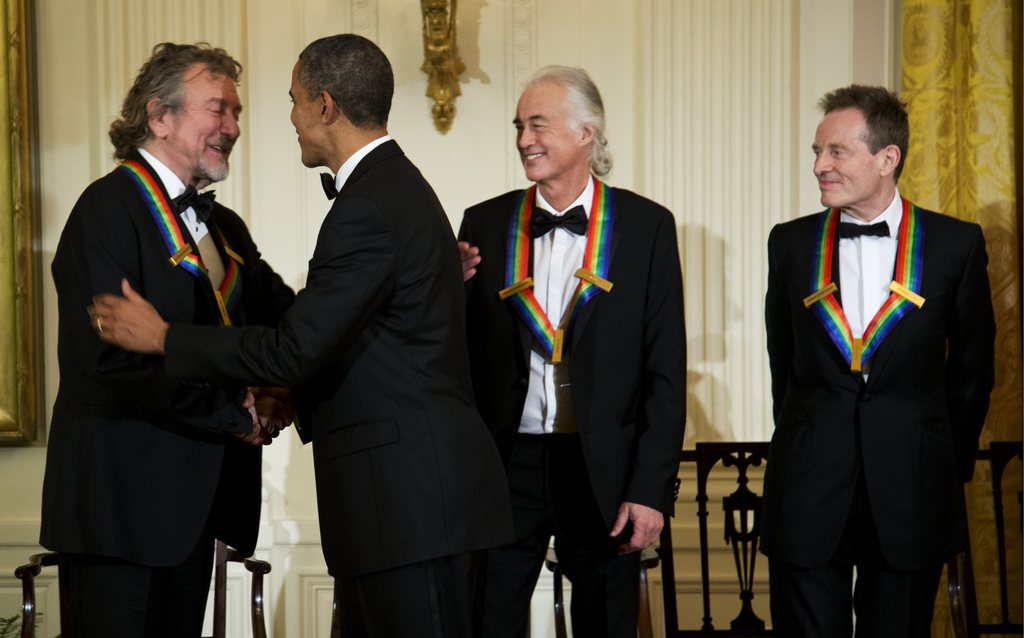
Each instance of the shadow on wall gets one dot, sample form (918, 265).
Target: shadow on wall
(470, 15)
(708, 404)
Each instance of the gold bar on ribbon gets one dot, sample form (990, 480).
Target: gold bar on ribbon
(225, 318)
(818, 295)
(232, 254)
(907, 294)
(855, 362)
(515, 288)
(601, 283)
(179, 256)
(556, 346)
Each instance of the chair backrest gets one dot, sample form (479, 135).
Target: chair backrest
(222, 556)
(963, 595)
(741, 510)
(336, 611)
(258, 568)
(741, 524)
(27, 573)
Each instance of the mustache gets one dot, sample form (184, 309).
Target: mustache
(225, 143)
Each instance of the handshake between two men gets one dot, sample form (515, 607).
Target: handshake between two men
(271, 410)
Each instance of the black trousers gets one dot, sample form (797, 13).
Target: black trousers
(887, 602)
(551, 495)
(431, 599)
(112, 597)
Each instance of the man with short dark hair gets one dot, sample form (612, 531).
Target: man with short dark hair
(409, 482)
(578, 351)
(144, 471)
(880, 338)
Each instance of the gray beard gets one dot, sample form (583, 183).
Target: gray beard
(215, 173)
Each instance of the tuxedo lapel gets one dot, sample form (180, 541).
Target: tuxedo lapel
(588, 308)
(884, 352)
(806, 275)
(837, 272)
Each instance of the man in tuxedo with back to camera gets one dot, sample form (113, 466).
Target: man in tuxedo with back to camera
(409, 482)
(143, 471)
(880, 338)
(577, 346)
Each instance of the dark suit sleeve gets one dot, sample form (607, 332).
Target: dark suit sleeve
(777, 324)
(656, 461)
(275, 295)
(970, 367)
(98, 248)
(350, 274)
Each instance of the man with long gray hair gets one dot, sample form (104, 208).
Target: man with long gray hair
(577, 347)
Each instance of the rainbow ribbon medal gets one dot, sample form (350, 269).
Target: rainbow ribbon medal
(904, 294)
(228, 293)
(593, 275)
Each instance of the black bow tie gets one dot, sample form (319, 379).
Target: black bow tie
(574, 220)
(848, 230)
(202, 203)
(329, 184)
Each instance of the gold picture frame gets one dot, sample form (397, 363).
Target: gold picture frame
(21, 379)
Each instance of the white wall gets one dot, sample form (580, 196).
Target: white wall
(711, 111)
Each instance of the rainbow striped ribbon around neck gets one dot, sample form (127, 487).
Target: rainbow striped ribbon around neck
(904, 294)
(182, 253)
(593, 275)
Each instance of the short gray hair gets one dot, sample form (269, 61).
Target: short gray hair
(584, 106)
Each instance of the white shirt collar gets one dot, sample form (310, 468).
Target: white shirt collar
(585, 199)
(172, 183)
(350, 164)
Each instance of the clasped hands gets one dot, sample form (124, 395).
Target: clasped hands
(271, 410)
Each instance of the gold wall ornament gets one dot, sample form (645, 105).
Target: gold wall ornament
(21, 378)
(441, 62)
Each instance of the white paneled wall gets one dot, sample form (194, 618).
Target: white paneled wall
(718, 112)
(711, 110)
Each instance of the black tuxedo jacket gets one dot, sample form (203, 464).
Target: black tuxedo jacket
(375, 350)
(626, 354)
(911, 429)
(136, 462)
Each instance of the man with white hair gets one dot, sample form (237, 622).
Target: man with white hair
(578, 355)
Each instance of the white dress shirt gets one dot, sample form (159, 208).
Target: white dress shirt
(175, 187)
(866, 267)
(557, 255)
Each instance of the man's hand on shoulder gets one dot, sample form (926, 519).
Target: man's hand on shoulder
(130, 321)
(470, 259)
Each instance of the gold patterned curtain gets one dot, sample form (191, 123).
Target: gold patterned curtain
(961, 70)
